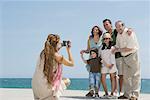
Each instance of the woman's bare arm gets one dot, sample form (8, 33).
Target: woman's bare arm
(65, 61)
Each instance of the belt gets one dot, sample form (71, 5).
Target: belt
(128, 55)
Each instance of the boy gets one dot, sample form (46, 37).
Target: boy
(94, 74)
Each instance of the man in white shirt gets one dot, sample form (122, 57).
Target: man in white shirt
(128, 46)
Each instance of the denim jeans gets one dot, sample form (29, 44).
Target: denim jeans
(94, 81)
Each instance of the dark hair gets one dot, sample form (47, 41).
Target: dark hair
(94, 50)
(107, 20)
(99, 29)
(104, 45)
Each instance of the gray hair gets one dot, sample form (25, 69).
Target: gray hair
(119, 21)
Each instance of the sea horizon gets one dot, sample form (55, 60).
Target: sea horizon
(76, 84)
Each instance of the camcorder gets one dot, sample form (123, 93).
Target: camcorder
(65, 43)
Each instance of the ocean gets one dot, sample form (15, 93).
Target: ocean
(76, 84)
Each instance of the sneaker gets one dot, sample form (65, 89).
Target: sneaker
(105, 96)
(116, 93)
(121, 93)
(122, 97)
(96, 95)
(90, 94)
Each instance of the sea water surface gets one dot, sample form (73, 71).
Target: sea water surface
(76, 84)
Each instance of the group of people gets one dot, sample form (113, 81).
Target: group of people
(114, 52)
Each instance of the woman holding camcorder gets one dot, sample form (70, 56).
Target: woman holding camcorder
(47, 82)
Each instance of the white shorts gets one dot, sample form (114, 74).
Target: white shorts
(120, 65)
(106, 70)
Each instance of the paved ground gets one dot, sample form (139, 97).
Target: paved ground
(26, 94)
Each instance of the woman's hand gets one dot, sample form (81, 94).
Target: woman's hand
(129, 31)
(69, 44)
(110, 65)
(82, 51)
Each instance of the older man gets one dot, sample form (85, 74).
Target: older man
(128, 46)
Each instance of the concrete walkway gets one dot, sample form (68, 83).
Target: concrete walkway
(26, 94)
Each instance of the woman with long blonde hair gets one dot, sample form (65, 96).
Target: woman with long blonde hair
(47, 82)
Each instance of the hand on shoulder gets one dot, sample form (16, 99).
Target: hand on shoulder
(130, 31)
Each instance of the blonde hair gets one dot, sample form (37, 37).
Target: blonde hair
(49, 56)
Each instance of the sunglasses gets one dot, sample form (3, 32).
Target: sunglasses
(106, 38)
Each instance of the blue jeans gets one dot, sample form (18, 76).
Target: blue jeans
(94, 81)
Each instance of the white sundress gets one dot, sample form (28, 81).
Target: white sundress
(41, 89)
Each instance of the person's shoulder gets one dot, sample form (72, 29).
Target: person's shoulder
(90, 37)
(115, 32)
(56, 54)
(98, 58)
(100, 47)
(58, 57)
(131, 35)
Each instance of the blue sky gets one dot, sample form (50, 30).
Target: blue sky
(25, 25)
